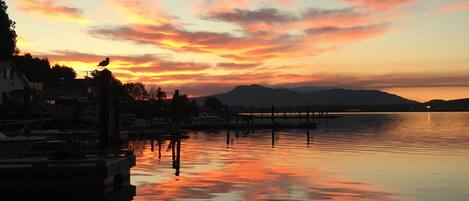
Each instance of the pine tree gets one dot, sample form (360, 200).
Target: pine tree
(7, 34)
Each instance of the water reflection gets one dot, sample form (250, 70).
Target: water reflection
(410, 156)
(125, 193)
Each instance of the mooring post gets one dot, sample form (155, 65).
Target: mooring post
(228, 116)
(299, 116)
(285, 115)
(273, 116)
(104, 78)
(307, 135)
(307, 116)
(312, 114)
(251, 120)
(173, 151)
(228, 136)
(117, 135)
(262, 115)
(178, 156)
(273, 138)
(159, 147)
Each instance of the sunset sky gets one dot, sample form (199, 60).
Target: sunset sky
(415, 48)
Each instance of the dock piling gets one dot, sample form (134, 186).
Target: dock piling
(104, 78)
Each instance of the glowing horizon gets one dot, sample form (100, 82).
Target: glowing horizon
(412, 48)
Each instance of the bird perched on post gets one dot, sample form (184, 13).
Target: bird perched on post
(104, 63)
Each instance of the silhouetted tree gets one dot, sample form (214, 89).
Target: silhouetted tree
(116, 87)
(213, 103)
(7, 34)
(182, 108)
(63, 72)
(61, 75)
(152, 92)
(35, 69)
(161, 96)
(136, 90)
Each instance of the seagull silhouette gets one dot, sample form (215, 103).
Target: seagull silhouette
(104, 62)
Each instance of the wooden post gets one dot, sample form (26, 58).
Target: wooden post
(285, 115)
(117, 135)
(104, 79)
(227, 116)
(312, 115)
(252, 118)
(159, 147)
(262, 115)
(228, 137)
(307, 135)
(273, 136)
(307, 116)
(178, 156)
(299, 115)
(173, 151)
(273, 116)
(237, 119)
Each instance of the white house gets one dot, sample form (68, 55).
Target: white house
(10, 80)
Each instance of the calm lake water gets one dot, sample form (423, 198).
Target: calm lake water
(386, 156)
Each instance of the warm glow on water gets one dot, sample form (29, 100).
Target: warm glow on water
(391, 156)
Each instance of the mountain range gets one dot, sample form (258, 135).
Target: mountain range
(257, 95)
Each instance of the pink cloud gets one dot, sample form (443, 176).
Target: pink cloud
(452, 7)
(381, 5)
(49, 9)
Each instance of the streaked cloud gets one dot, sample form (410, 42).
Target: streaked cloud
(50, 9)
(229, 5)
(381, 5)
(452, 7)
(225, 43)
(130, 67)
(229, 65)
(277, 20)
(254, 47)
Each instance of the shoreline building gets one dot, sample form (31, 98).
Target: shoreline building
(13, 84)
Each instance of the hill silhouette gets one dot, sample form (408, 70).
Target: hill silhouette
(450, 104)
(257, 95)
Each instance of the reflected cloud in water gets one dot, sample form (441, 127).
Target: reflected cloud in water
(359, 157)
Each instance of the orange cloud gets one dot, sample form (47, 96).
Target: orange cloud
(202, 79)
(253, 47)
(49, 9)
(142, 12)
(146, 68)
(452, 7)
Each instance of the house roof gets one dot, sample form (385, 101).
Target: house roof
(18, 72)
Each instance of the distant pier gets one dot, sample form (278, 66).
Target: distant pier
(275, 118)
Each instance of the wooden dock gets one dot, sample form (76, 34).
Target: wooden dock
(102, 173)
